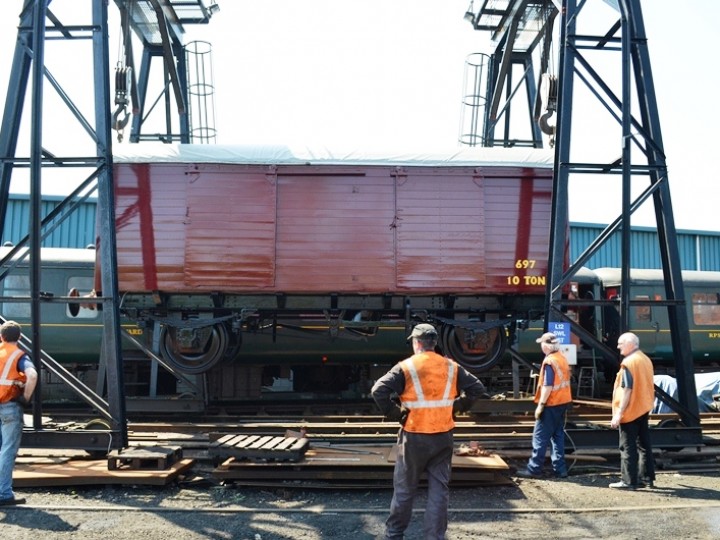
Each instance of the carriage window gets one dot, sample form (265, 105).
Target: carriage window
(642, 313)
(84, 286)
(16, 286)
(706, 309)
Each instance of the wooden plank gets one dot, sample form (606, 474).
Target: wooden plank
(575, 456)
(92, 472)
(493, 461)
(348, 464)
(345, 469)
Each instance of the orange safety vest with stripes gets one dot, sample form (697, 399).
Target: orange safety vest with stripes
(642, 398)
(429, 394)
(11, 380)
(561, 393)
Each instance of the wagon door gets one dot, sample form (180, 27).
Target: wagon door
(648, 322)
(230, 228)
(440, 231)
(334, 230)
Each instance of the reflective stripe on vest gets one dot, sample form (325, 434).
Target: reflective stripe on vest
(564, 383)
(421, 402)
(4, 381)
(561, 390)
(11, 380)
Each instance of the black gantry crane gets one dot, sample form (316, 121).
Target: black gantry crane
(84, 154)
(522, 31)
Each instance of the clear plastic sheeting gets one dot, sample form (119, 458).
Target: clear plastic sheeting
(272, 154)
(707, 385)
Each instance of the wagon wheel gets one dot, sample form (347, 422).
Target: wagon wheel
(476, 350)
(99, 424)
(194, 350)
(670, 423)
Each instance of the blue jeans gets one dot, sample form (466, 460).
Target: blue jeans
(549, 429)
(11, 417)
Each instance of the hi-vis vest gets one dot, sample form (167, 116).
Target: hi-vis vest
(561, 393)
(11, 380)
(642, 398)
(430, 390)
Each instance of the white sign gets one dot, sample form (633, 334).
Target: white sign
(570, 353)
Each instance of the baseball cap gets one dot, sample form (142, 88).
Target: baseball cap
(547, 337)
(423, 330)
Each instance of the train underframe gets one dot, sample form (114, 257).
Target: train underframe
(332, 344)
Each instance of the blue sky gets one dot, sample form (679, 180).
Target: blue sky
(379, 74)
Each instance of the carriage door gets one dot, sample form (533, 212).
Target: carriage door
(645, 322)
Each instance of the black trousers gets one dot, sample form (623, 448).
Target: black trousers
(420, 453)
(636, 456)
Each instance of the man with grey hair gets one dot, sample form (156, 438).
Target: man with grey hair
(422, 392)
(553, 398)
(18, 378)
(633, 399)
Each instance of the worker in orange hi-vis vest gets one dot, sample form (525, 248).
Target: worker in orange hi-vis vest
(18, 378)
(422, 392)
(632, 401)
(553, 398)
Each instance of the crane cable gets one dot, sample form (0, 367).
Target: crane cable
(123, 81)
(548, 91)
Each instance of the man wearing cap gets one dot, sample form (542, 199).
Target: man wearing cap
(422, 392)
(553, 398)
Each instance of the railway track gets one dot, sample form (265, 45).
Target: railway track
(352, 450)
(500, 433)
(496, 424)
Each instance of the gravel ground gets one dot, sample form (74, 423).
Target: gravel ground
(682, 505)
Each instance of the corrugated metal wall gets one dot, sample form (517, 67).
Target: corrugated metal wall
(709, 252)
(699, 250)
(77, 231)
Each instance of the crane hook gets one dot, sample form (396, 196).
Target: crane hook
(118, 123)
(549, 96)
(121, 116)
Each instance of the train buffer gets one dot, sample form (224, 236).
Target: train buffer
(144, 457)
(258, 447)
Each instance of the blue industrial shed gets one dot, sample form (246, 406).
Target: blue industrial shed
(699, 250)
(77, 231)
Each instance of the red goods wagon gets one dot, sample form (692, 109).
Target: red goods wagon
(217, 244)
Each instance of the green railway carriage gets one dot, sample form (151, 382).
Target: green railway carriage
(69, 338)
(702, 296)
